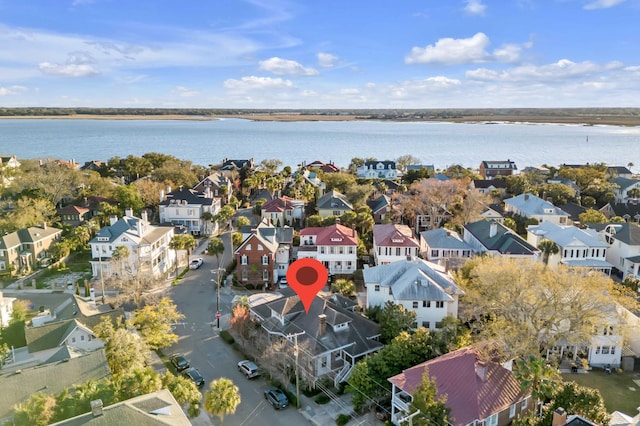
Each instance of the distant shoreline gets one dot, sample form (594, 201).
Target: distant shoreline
(624, 121)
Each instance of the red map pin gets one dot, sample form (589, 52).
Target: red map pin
(306, 277)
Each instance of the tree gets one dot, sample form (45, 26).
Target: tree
(134, 289)
(393, 320)
(154, 323)
(37, 411)
(271, 165)
(548, 247)
(433, 410)
(634, 193)
(241, 321)
(121, 256)
(224, 215)
(242, 221)
(222, 398)
(136, 382)
(207, 219)
(559, 193)
(576, 399)
(236, 240)
(536, 376)
(125, 351)
(344, 287)
(216, 248)
(128, 196)
(184, 390)
(592, 216)
(406, 160)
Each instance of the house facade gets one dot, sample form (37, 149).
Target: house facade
(420, 286)
(444, 245)
(489, 186)
(333, 203)
(493, 169)
(28, 248)
(577, 248)
(186, 207)
(380, 209)
(623, 186)
(392, 242)
(533, 207)
(213, 184)
(148, 247)
(264, 255)
(73, 215)
(623, 240)
(478, 392)
(283, 210)
(496, 239)
(6, 310)
(336, 246)
(378, 170)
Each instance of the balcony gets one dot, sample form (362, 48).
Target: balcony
(307, 247)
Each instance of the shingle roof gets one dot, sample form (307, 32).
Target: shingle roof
(51, 378)
(281, 203)
(531, 205)
(624, 182)
(332, 235)
(488, 183)
(445, 239)
(334, 200)
(189, 195)
(379, 203)
(73, 210)
(504, 241)
(36, 233)
(474, 389)
(565, 236)
(393, 235)
(623, 209)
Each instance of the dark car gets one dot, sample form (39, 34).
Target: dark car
(179, 362)
(276, 397)
(193, 374)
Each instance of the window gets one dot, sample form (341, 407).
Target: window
(415, 305)
(523, 404)
(244, 260)
(426, 324)
(337, 213)
(248, 247)
(440, 304)
(260, 247)
(265, 275)
(321, 250)
(434, 253)
(73, 340)
(493, 420)
(605, 350)
(265, 260)
(350, 250)
(245, 275)
(438, 324)
(324, 362)
(397, 251)
(390, 292)
(613, 350)
(376, 287)
(512, 411)
(424, 304)
(82, 338)
(428, 302)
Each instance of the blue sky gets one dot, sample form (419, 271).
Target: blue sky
(320, 54)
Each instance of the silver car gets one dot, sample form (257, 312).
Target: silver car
(248, 368)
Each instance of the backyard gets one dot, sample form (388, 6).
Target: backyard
(621, 391)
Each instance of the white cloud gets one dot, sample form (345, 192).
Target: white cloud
(12, 90)
(257, 83)
(563, 69)
(68, 70)
(602, 4)
(475, 7)
(279, 66)
(326, 60)
(452, 51)
(185, 92)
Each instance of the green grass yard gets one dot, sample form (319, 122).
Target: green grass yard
(615, 389)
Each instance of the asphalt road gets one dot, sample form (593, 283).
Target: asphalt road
(195, 297)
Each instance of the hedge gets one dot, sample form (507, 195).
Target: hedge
(322, 399)
(343, 419)
(227, 337)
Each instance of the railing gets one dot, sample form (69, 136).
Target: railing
(399, 403)
(342, 375)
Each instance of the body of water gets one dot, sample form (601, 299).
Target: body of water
(208, 142)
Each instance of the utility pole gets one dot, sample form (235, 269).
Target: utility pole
(296, 351)
(218, 298)
(101, 277)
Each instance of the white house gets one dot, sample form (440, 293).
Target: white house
(336, 246)
(6, 310)
(420, 286)
(624, 186)
(378, 170)
(623, 240)
(442, 245)
(496, 239)
(283, 210)
(581, 248)
(393, 242)
(148, 247)
(186, 207)
(215, 183)
(532, 207)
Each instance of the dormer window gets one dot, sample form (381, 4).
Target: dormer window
(397, 240)
(336, 239)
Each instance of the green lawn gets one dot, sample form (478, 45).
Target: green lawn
(613, 387)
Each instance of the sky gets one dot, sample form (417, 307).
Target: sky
(320, 54)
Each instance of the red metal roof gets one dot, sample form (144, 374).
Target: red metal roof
(334, 235)
(392, 235)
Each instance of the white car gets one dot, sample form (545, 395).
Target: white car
(196, 263)
(283, 283)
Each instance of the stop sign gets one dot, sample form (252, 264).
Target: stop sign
(217, 314)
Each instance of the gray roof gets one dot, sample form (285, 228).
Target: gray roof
(504, 241)
(575, 210)
(379, 203)
(50, 378)
(37, 233)
(156, 408)
(624, 209)
(628, 233)
(414, 279)
(191, 196)
(488, 183)
(445, 239)
(565, 236)
(334, 200)
(532, 205)
(587, 263)
(624, 182)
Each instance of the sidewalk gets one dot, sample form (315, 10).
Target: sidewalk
(326, 414)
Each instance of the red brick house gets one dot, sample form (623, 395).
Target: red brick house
(492, 169)
(256, 257)
(478, 392)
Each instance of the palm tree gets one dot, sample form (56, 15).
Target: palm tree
(121, 257)
(223, 397)
(548, 248)
(537, 376)
(216, 248)
(207, 219)
(177, 243)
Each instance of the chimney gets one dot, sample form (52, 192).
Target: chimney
(322, 324)
(113, 220)
(96, 408)
(446, 264)
(161, 195)
(128, 211)
(481, 370)
(559, 417)
(44, 225)
(337, 221)
(493, 229)
(168, 190)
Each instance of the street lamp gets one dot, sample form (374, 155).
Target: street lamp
(101, 277)
(218, 315)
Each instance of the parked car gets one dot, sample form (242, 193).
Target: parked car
(283, 283)
(248, 368)
(196, 263)
(276, 397)
(193, 374)
(179, 362)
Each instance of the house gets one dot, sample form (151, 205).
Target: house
(623, 240)
(430, 168)
(73, 215)
(333, 203)
(336, 246)
(624, 185)
(574, 210)
(237, 164)
(533, 207)
(324, 167)
(566, 182)
(187, 207)
(492, 169)
(335, 336)
(283, 210)
(489, 186)
(148, 247)
(9, 161)
(6, 310)
(51, 379)
(265, 254)
(378, 170)
(493, 212)
(420, 286)
(535, 170)
(94, 165)
(578, 248)
(431, 219)
(155, 408)
(618, 418)
(444, 245)
(393, 242)
(618, 171)
(629, 212)
(28, 248)
(496, 239)
(94, 204)
(380, 208)
(213, 184)
(477, 391)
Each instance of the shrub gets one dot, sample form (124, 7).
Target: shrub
(236, 346)
(310, 392)
(343, 419)
(227, 337)
(322, 399)
(292, 397)
(231, 266)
